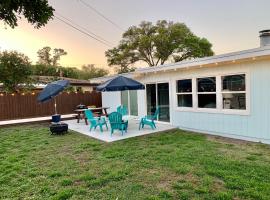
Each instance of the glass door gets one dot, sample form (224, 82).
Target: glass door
(151, 98)
(163, 101)
(124, 99)
(129, 99)
(158, 95)
(133, 103)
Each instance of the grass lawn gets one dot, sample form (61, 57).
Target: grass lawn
(171, 165)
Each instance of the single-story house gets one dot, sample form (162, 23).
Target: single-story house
(226, 95)
(77, 84)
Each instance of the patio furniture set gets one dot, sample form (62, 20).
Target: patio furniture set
(117, 119)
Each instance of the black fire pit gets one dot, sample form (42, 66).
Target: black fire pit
(59, 128)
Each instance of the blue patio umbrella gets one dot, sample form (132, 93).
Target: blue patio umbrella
(52, 90)
(120, 83)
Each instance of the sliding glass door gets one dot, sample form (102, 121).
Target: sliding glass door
(133, 103)
(129, 99)
(151, 98)
(157, 94)
(163, 101)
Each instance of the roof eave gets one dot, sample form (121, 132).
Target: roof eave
(241, 55)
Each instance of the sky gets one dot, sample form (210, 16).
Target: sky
(230, 25)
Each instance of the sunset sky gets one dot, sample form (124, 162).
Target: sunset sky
(230, 25)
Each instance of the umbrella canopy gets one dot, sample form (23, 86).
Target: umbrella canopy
(120, 83)
(52, 90)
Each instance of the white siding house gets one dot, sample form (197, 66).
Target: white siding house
(226, 95)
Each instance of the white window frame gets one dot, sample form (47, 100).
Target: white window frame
(197, 93)
(145, 100)
(219, 97)
(184, 93)
(247, 92)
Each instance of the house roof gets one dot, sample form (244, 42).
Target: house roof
(223, 58)
(105, 78)
(246, 55)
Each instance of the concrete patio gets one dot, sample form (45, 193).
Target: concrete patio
(133, 130)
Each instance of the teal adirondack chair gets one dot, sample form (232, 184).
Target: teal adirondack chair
(150, 119)
(122, 110)
(95, 121)
(117, 123)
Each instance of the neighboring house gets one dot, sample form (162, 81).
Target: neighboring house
(226, 95)
(77, 84)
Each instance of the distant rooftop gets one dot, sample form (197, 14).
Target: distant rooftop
(48, 79)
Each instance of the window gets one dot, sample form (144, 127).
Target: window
(226, 94)
(206, 90)
(184, 93)
(234, 91)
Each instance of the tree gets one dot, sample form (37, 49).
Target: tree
(157, 44)
(45, 57)
(37, 12)
(44, 70)
(90, 71)
(57, 53)
(122, 57)
(15, 71)
(70, 72)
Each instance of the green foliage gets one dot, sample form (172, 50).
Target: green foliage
(70, 72)
(37, 12)
(90, 71)
(122, 56)
(15, 71)
(87, 71)
(57, 53)
(45, 57)
(37, 165)
(156, 44)
(45, 70)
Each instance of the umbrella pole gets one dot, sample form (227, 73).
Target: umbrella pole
(55, 105)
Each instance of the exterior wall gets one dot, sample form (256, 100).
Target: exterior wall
(111, 99)
(141, 103)
(253, 125)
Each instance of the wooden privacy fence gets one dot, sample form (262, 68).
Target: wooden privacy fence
(19, 106)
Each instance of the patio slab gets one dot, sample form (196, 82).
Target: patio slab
(133, 130)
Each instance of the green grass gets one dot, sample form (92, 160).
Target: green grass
(171, 165)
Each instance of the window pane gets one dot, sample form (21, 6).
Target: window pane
(184, 100)
(124, 98)
(163, 102)
(234, 101)
(207, 100)
(184, 85)
(151, 98)
(133, 102)
(234, 83)
(207, 84)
